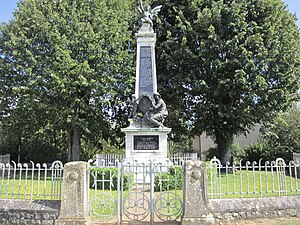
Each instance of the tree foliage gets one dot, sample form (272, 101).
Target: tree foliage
(280, 138)
(282, 135)
(227, 64)
(66, 67)
(9, 142)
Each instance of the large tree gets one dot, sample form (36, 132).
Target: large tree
(66, 66)
(227, 64)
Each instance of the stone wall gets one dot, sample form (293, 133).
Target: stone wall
(228, 210)
(27, 212)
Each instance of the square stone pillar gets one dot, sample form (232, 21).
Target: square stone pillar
(74, 195)
(195, 196)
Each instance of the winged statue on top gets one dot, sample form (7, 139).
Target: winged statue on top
(148, 14)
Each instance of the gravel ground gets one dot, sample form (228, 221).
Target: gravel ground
(277, 221)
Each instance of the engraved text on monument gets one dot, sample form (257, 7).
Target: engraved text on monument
(146, 77)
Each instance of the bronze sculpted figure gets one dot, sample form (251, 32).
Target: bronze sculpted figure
(154, 112)
(132, 105)
(157, 113)
(148, 14)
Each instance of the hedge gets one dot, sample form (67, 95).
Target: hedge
(108, 177)
(170, 180)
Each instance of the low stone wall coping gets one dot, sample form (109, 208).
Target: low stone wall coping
(28, 212)
(228, 210)
(255, 204)
(34, 205)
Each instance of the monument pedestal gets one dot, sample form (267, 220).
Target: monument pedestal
(144, 143)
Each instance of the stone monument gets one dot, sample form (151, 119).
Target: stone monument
(195, 195)
(74, 199)
(146, 137)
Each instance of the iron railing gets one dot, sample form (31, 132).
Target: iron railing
(110, 160)
(135, 191)
(31, 181)
(253, 179)
(180, 158)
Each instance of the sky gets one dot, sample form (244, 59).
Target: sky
(8, 6)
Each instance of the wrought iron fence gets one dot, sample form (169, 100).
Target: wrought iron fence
(31, 181)
(110, 160)
(180, 158)
(135, 191)
(253, 179)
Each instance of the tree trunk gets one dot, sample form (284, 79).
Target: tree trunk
(74, 145)
(224, 144)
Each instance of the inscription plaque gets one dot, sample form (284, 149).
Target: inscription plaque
(146, 77)
(146, 142)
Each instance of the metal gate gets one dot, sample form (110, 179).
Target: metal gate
(132, 191)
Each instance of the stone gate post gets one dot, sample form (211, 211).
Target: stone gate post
(74, 195)
(195, 196)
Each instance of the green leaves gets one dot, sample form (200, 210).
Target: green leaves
(230, 63)
(281, 135)
(66, 55)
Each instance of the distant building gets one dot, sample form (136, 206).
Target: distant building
(204, 142)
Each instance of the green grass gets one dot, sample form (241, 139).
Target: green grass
(29, 189)
(103, 203)
(251, 184)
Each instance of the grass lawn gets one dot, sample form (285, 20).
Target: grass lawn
(251, 184)
(30, 189)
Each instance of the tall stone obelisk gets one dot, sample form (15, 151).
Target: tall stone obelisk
(146, 137)
(146, 81)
